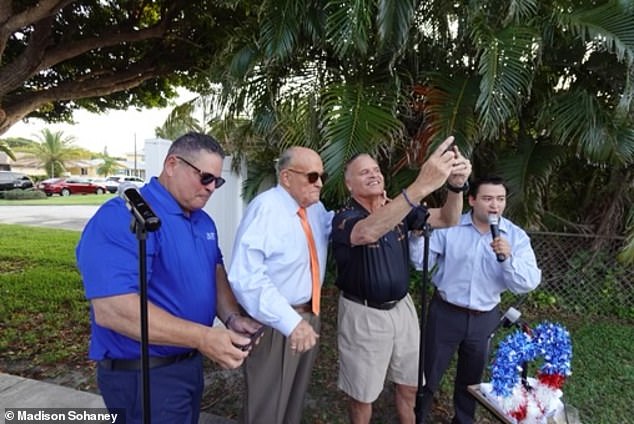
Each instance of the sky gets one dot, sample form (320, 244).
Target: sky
(116, 130)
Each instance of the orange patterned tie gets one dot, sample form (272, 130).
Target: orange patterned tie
(314, 262)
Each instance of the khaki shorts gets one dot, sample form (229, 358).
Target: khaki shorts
(374, 345)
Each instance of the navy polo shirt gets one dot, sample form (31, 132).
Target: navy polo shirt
(379, 271)
(182, 257)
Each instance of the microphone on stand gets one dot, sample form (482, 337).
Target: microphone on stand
(138, 206)
(494, 222)
(510, 317)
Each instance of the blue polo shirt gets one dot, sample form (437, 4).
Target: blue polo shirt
(182, 257)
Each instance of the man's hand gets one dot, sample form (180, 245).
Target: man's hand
(244, 325)
(248, 327)
(434, 172)
(460, 170)
(501, 246)
(220, 345)
(303, 337)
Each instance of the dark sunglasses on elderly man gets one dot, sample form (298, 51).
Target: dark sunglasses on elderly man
(205, 177)
(312, 176)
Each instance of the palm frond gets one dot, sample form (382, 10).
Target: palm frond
(577, 119)
(506, 70)
(280, 28)
(527, 172)
(260, 176)
(349, 25)
(243, 61)
(394, 19)
(5, 148)
(521, 10)
(299, 122)
(313, 21)
(354, 121)
(449, 104)
(609, 25)
(180, 120)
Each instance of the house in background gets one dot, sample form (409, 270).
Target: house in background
(135, 164)
(23, 163)
(4, 162)
(132, 165)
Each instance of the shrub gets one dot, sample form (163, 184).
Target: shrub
(28, 194)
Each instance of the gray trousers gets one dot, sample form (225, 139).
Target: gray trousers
(277, 379)
(448, 330)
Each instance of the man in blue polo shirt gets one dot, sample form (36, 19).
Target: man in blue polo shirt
(187, 289)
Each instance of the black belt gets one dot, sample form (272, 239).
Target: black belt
(457, 307)
(135, 364)
(385, 306)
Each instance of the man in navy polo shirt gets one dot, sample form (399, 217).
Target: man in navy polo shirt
(378, 332)
(187, 289)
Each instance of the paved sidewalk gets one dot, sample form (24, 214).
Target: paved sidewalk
(19, 392)
(71, 217)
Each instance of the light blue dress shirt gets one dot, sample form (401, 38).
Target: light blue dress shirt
(468, 273)
(270, 268)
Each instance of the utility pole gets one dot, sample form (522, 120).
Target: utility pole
(136, 174)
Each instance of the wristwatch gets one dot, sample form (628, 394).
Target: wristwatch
(460, 189)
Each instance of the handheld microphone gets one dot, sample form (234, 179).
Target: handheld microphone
(494, 222)
(143, 213)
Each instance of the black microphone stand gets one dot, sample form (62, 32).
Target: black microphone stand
(138, 226)
(423, 321)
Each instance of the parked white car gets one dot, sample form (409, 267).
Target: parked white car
(114, 181)
(111, 186)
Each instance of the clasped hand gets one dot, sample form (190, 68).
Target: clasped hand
(303, 338)
(223, 346)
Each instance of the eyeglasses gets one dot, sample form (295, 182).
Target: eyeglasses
(205, 177)
(312, 176)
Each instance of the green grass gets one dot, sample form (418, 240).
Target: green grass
(44, 314)
(603, 372)
(44, 324)
(77, 199)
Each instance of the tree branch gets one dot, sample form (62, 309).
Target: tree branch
(114, 82)
(26, 64)
(36, 57)
(61, 53)
(9, 23)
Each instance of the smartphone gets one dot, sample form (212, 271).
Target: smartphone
(254, 337)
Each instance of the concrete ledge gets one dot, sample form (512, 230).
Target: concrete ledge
(19, 392)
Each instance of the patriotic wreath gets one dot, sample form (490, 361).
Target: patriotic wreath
(531, 403)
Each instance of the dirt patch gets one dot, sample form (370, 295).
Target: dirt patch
(325, 404)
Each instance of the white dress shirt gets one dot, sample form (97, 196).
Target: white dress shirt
(467, 272)
(270, 267)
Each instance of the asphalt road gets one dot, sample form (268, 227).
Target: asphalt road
(72, 217)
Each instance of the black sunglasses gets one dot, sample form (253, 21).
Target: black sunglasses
(312, 176)
(205, 177)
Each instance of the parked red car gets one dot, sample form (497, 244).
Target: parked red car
(71, 185)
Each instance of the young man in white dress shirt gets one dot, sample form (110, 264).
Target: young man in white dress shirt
(474, 268)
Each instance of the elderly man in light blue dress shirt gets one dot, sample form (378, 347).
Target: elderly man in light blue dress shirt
(474, 268)
(271, 277)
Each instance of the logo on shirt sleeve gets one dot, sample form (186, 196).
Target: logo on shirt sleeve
(211, 235)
